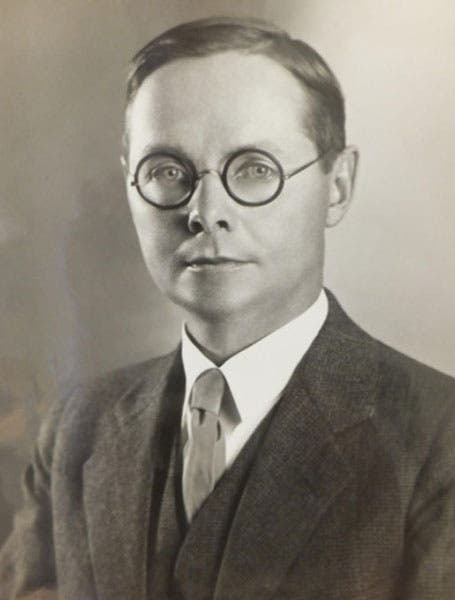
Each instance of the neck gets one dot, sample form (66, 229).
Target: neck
(220, 338)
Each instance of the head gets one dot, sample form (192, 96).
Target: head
(203, 91)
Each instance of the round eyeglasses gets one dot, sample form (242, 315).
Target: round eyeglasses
(250, 176)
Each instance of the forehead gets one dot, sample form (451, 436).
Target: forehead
(219, 102)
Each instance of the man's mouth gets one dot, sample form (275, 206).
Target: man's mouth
(216, 262)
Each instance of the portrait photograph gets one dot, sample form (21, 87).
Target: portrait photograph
(227, 332)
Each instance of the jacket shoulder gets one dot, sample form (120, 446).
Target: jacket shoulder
(74, 420)
(413, 402)
(109, 387)
(391, 366)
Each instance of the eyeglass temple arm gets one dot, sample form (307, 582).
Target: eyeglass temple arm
(305, 166)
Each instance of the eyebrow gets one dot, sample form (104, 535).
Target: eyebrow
(179, 150)
(163, 148)
(265, 145)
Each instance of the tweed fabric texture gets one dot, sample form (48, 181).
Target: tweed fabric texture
(351, 495)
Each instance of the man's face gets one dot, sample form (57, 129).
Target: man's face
(207, 108)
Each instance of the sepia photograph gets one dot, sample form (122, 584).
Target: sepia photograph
(227, 334)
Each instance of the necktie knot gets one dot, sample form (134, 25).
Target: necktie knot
(208, 391)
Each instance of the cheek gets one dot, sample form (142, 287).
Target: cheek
(292, 231)
(308, 215)
(157, 233)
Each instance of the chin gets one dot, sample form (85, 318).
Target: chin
(217, 306)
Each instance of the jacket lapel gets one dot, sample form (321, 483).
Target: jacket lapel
(129, 461)
(301, 467)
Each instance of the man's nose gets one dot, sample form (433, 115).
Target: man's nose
(210, 208)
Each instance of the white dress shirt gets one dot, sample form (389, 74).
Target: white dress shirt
(257, 375)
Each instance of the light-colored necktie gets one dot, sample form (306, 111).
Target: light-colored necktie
(204, 452)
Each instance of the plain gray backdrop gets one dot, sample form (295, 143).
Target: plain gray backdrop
(75, 298)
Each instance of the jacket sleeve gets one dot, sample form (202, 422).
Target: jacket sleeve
(430, 532)
(27, 558)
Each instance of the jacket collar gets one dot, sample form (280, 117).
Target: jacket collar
(299, 471)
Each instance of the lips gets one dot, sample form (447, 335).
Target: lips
(216, 260)
(201, 262)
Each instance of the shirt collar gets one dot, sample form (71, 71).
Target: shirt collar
(258, 374)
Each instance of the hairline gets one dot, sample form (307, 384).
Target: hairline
(323, 121)
(307, 114)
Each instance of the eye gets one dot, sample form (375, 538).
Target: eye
(169, 173)
(255, 170)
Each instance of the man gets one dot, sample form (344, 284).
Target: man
(280, 452)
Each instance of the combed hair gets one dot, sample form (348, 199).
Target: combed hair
(325, 123)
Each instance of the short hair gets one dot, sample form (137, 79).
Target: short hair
(325, 123)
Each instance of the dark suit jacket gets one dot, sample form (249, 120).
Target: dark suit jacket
(350, 496)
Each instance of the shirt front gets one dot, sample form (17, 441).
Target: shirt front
(256, 376)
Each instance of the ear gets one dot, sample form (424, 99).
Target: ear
(343, 175)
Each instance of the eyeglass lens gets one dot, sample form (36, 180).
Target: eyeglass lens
(250, 176)
(164, 180)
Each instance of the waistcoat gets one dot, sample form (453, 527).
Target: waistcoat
(184, 559)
